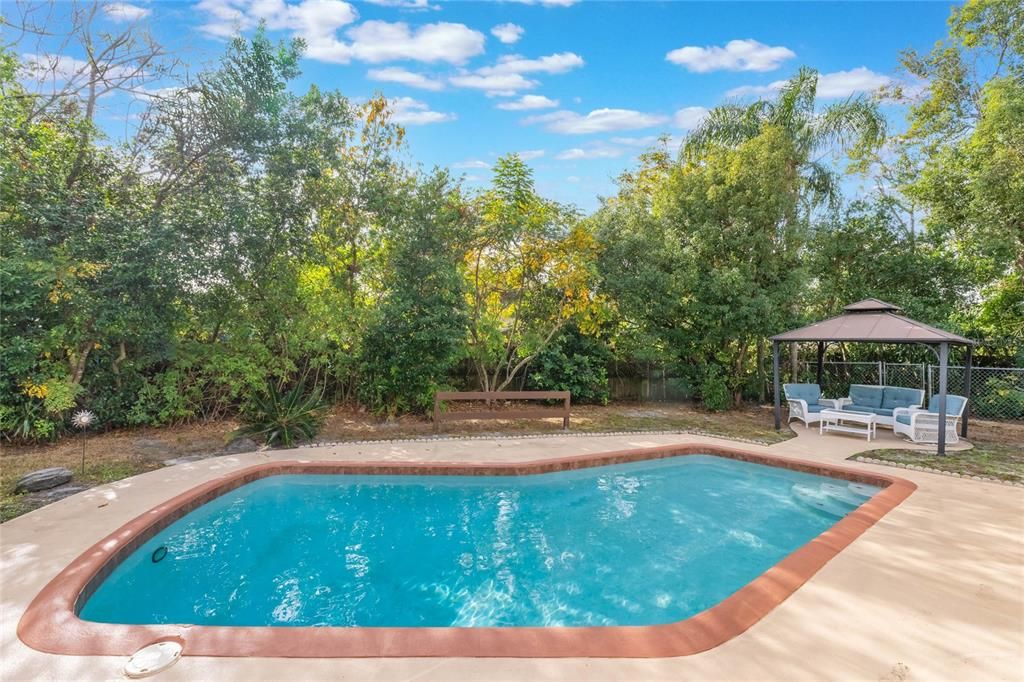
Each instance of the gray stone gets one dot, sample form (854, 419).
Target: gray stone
(151, 447)
(44, 479)
(59, 493)
(241, 445)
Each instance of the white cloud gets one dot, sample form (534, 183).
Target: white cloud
(530, 154)
(506, 78)
(504, 85)
(123, 11)
(597, 151)
(318, 22)
(597, 121)
(405, 4)
(528, 102)
(393, 74)
(59, 67)
(645, 141)
(554, 63)
(688, 117)
(508, 33)
(573, 178)
(846, 83)
(737, 55)
(412, 112)
(830, 85)
(471, 163)
(380, 41)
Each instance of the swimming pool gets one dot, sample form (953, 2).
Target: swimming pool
(628, 544)
(634, 553)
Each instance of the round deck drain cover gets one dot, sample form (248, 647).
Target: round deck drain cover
(152, 659)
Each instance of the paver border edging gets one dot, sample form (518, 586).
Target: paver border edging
(929, 470)
(51, 624)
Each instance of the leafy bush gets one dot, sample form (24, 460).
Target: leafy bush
(283, 418)
(419, 331)
(574, 363)
(999, 398)
(714, 390)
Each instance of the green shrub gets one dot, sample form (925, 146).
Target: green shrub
(574, 363)
(999, 398)
(283, 418)
(714, 391)
(419, 331)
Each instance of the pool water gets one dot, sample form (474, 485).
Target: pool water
(632, 544)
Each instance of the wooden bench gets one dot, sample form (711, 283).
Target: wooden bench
(489, 396)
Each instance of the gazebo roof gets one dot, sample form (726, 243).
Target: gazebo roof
(872, 321)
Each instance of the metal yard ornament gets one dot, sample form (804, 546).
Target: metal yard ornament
(82, 420)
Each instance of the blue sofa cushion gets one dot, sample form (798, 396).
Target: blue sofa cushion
(896, 396)
(815, 407)
(809, 392)
(903, 418)
(954, 404)
(866, 396)
(881, 411)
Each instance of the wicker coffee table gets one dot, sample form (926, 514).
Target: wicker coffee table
(847, 421)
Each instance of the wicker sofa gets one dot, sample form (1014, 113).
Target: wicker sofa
(881, 400)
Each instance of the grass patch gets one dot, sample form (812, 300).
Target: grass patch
(998, 452)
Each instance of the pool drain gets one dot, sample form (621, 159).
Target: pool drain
(151, 659)
(158, 554)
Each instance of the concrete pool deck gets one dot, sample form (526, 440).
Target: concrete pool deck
(935, 590)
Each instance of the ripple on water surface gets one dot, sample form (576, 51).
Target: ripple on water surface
(630, 544)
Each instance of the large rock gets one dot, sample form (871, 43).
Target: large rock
(44, 479)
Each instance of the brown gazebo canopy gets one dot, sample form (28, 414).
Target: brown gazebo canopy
(874, 321)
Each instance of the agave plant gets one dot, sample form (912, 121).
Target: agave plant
(283, 418)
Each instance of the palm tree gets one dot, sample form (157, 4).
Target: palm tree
(853, 124)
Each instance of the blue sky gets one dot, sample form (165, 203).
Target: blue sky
(581, 87)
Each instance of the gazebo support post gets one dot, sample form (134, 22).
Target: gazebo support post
(777, 388)
(821, 359)
(943, 375)
(967, 389)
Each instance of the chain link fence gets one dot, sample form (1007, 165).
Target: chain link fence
(654, 384)
(996, 392)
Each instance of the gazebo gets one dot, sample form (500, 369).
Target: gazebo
(874, 321)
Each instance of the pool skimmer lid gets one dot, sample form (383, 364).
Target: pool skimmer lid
(151, 659)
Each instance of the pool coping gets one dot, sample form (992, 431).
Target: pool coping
(50, 624)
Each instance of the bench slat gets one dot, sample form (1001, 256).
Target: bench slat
(529, 413)
(501, 395)
(502, 414)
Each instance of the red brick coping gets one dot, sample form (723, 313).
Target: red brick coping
(51, 623)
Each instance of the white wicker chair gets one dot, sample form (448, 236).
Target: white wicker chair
(804, 402)
(922, 425)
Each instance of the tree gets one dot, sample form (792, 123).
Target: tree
(530, 267)
(735, 216)
(853, 124)
(965, 143)
(862, 251)
(418, 333)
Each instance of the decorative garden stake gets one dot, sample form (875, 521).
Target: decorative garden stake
(82, 420)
